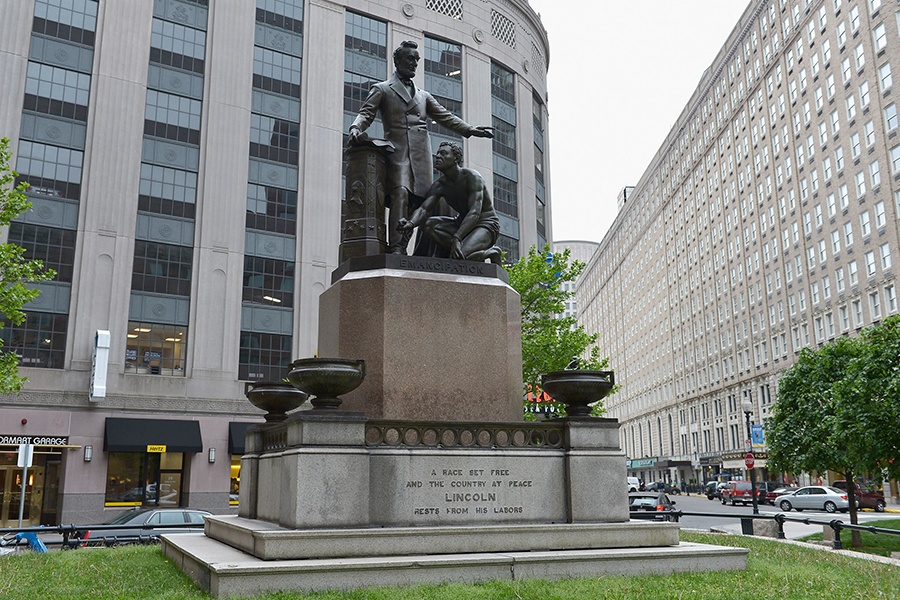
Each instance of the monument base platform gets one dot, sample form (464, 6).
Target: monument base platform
(224, 571)
(269, 541)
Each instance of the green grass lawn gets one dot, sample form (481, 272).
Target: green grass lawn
(872, 543)
(774, 570)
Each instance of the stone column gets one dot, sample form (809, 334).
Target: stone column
(363, 230)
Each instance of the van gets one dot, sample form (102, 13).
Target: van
(738, 491)
(634, 484)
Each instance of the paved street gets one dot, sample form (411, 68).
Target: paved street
(732, 523)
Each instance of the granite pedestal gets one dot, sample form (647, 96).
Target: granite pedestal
(441, 338)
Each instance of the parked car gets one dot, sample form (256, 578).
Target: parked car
(782, 491)
(736, 491)
(866, 498)
(639, 503)
(156, 521)
(814, 497)
(764, 487)
(634, 484)
(713, 489)
(660, 486)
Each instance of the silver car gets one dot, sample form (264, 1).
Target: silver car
(814, 497)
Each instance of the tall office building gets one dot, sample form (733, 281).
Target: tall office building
(580, 250)
(185, 163)
(766, 223)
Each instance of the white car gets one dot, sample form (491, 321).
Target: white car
(814, 497)
(634, 484)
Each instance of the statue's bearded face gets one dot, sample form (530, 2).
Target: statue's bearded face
(407, 62)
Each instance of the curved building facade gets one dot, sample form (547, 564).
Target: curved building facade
(185, 162)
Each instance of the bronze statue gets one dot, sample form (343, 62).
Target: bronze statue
(471, 234)
(405, 110)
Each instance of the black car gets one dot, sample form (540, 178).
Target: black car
(660, 486)
(642, 503)
(155, 522)
(713, 490)
(764, 487)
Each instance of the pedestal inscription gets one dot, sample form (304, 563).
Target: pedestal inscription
(467, 488)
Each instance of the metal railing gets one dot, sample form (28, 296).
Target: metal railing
(72, 534)
(747, 529)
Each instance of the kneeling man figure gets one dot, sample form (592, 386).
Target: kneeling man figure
(472, 234)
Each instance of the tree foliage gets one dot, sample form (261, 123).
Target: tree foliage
(16, 271)
(838, 408)
(550, 341)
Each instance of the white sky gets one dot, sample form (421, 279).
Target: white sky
(604, 130)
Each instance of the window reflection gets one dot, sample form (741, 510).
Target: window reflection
(155, 349)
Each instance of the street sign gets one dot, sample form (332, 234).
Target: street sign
(749, 460)
(26, 455)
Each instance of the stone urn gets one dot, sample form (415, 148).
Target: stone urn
(327, 378)
(577, 389)
(277, 398)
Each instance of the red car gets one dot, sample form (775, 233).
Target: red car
(865, 498)
(738, 491)
(772, 494)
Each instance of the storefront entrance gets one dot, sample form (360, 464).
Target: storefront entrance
(11, 490)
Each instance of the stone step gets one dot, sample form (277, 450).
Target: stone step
(269, 541)
(224, 571)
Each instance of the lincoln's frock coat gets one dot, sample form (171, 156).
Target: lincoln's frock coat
(405, 120)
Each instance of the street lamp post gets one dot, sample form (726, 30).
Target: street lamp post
(747, 407)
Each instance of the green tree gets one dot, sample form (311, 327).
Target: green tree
(872, 410)
(16, 271)
(838, 409)
(551, 341)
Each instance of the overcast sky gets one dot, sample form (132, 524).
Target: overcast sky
(620, 74)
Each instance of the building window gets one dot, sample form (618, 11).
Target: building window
(167, 191)
(52, 170)
(504, 142)
(890, 117)
(271, 209)
(274, 139)
(875, 304)
(870, 263)
(234, 488)
(506, 195)
(264, 356)
(51, 90)
(879, 34)
(443, 62)
(55, 247)
(144, 479)
(162, 268)
(39, 341)
(884, 76)
(865, 224)
(155, 349)
(890, 296)
(503, 84)
(510, 248)
(268, 281)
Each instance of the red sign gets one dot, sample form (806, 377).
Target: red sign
(749, 460)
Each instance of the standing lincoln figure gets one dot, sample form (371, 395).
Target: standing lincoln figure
(405, 111)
